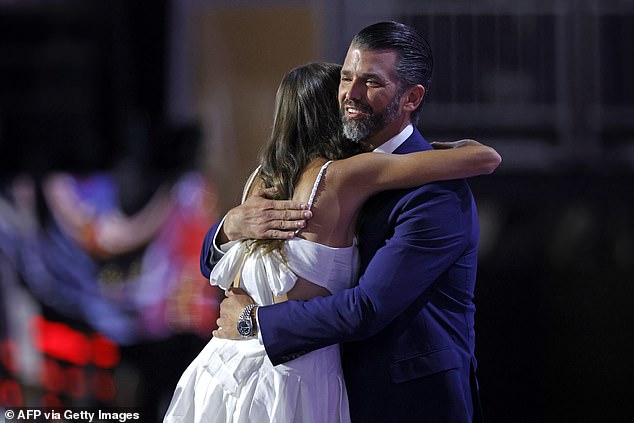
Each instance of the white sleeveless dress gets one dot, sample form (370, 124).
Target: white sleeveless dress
(234, 381)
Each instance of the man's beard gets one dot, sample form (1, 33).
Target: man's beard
(357, 130)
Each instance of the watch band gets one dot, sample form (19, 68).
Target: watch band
(246, 313)
(245, 324)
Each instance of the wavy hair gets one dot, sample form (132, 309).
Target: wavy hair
(306, 126)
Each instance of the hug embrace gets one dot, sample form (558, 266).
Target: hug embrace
(350, 265)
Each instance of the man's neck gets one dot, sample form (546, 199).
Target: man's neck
(396, 141)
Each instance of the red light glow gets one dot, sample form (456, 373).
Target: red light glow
(61, 342)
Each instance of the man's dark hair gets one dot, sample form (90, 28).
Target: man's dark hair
(415, 62)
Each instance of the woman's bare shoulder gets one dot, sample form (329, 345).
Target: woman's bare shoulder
(333, 211)
(307, 178)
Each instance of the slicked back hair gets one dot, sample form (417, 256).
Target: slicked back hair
(415, 60)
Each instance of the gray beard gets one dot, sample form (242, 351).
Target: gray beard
(359, 130)
(356, 131)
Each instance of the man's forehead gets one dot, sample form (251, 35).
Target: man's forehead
(360, 57)
(373, 61)
(356, 57)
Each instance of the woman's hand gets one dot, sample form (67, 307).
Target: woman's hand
(487, 158)
(444, 145)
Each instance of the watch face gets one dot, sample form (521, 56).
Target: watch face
(245, 327)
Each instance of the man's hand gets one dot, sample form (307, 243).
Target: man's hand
(261, 218)
(230, 310)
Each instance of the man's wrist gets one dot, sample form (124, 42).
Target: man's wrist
(221, 237)
(246, 324)
(219, 243)
(226, 233)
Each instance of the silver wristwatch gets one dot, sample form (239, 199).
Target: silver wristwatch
(246, 324)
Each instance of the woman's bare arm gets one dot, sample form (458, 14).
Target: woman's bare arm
(369, 173)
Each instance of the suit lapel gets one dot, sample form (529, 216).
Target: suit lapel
(373, 227)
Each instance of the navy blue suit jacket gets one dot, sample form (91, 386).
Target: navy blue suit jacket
(407, 328)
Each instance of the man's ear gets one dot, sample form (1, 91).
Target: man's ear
(413, 98)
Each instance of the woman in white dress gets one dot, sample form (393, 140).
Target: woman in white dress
(306, 159)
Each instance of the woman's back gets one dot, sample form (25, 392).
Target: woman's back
(334, 208)
(334, 214)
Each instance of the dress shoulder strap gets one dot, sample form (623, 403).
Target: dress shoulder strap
(247, 186)
(316, 184)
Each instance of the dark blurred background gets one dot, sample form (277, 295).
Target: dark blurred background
(127, 128)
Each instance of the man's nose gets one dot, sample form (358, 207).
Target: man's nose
(355, 90)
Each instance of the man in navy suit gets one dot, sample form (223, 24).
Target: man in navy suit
(407, 328)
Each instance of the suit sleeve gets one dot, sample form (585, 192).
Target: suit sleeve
(431, 230)
(208, 254)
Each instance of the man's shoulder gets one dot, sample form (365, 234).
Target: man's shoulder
(432, 195)
(452, 188)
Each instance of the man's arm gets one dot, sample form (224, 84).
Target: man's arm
(431, 232)
(257, 218)
(208, 255)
